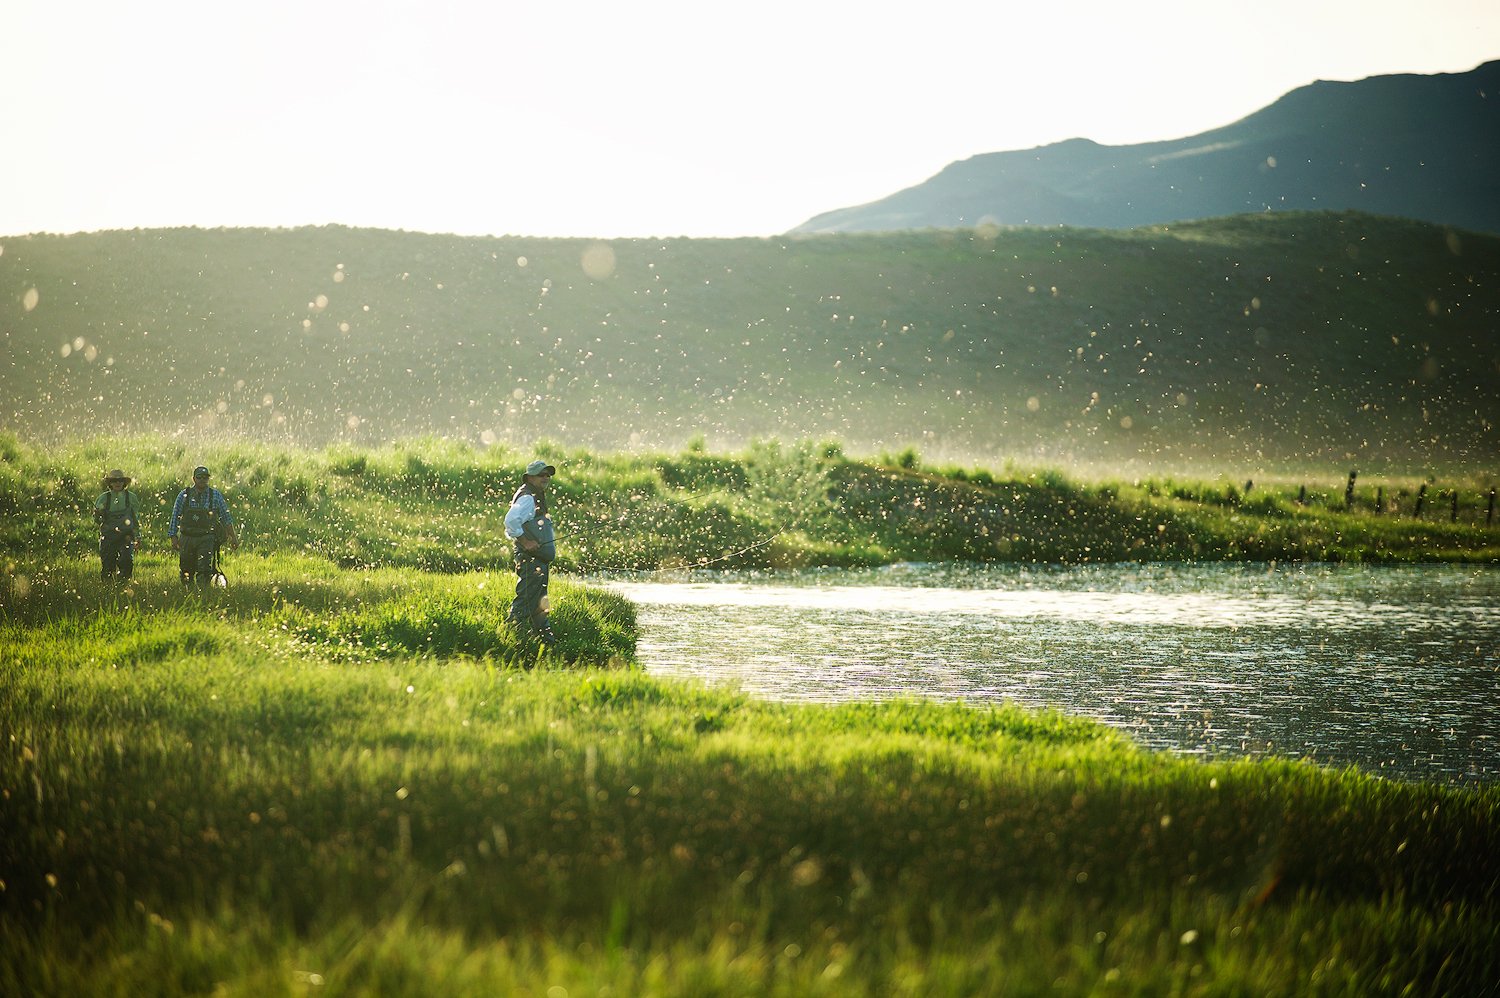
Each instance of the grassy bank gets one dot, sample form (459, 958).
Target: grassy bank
(279, 602)
(343, 775)
(436, 505)
(204, 805)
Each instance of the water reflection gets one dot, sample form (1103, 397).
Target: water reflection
(1395, 670)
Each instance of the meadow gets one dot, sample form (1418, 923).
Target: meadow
(343, 775)
(434, 504)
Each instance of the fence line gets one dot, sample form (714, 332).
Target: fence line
(1454, 497)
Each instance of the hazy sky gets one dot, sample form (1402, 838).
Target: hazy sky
(683, 117)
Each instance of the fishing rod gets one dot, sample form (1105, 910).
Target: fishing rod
(707, 562)
(706, 495)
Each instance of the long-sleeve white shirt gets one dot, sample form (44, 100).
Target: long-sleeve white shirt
(522, 510)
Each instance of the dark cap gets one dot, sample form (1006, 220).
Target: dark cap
(200, 472)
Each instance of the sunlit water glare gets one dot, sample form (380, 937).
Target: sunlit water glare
(1395, 670)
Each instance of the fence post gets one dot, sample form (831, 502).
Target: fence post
(1349, 490)
(1249, 484)
(1302, 496)
(1421, 498)
(1454, 517)
(1379, 499)
(1489, 517)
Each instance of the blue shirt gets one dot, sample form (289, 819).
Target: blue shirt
(210, 498)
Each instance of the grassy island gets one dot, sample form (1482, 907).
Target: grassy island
(342, 775)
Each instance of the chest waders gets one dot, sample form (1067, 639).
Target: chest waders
(117, 533)
(528, 611)
(118, 514)
(200, 530)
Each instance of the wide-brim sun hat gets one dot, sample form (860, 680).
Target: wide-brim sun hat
(116, 475)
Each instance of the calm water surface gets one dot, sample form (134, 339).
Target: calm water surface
(1395, 670)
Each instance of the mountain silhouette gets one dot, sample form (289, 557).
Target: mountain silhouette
(1409, 146)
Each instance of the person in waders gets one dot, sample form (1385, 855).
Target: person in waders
(200, 521)
(528, 524)
(117, 512)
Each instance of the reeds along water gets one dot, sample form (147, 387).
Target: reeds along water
(435, 506)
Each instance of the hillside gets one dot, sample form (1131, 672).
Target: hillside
(1239, 346)
(1409, 146)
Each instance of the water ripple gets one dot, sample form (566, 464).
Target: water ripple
(1391, 669)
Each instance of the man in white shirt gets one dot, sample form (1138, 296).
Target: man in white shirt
(528, 524)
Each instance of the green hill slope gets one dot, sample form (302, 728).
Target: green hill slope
(1242, 345)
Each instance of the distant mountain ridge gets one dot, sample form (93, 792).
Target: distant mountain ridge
(1409, 146)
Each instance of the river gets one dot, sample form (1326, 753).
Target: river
(1395, 670)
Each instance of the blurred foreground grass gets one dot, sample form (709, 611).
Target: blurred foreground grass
(201, 803)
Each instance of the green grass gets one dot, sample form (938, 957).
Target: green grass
(343, 774)
(437, 506)
(298, 602)
(1245, 346)
(203, 805)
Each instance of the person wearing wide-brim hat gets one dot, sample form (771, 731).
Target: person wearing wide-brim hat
(528, 523)
(117, 512)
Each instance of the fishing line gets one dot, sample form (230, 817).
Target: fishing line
(706, 562)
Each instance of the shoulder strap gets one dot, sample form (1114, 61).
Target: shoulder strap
(539, 500)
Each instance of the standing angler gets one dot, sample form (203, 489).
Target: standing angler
(118, 513)
(528, 524)
(200, 518)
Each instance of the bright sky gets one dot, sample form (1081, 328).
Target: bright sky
(604, 118)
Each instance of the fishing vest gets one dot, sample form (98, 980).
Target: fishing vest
(198, 519)
(544, 535)
(118, 512)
